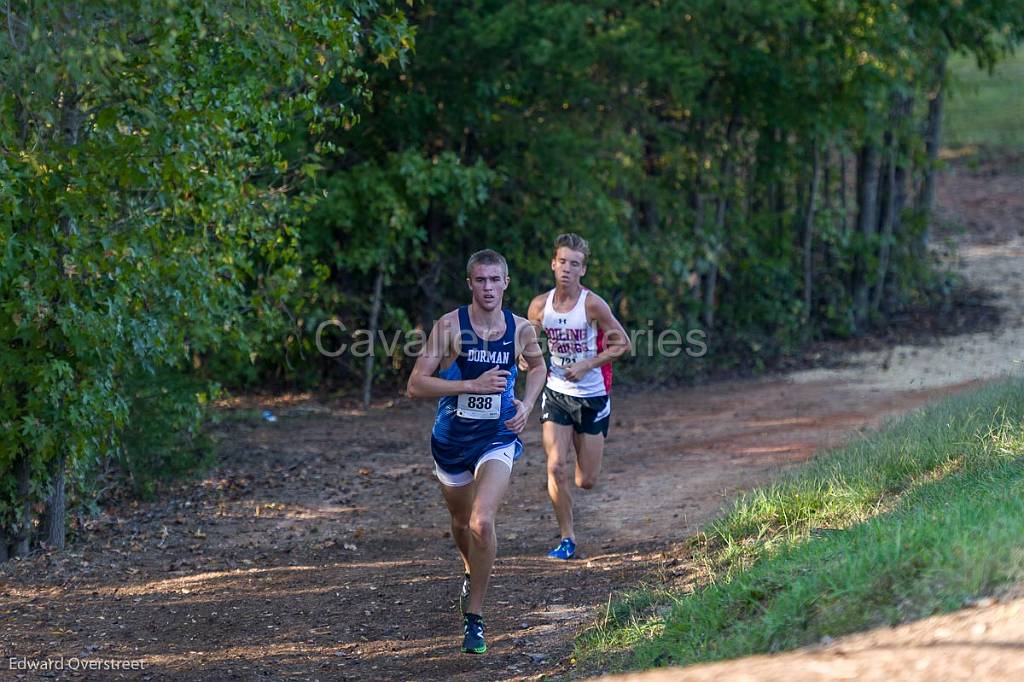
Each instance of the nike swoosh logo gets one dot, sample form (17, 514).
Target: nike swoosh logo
(505, 343)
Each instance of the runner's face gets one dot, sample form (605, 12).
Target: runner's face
(568, 266)
(488, 284)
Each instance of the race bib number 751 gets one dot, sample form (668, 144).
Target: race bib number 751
(474, 406)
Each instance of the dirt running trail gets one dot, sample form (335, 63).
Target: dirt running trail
(318, 549)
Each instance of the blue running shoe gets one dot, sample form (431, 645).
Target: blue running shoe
(464, 595)
(473, 627)
(566, 550)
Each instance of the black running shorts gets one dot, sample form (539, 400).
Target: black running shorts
(584, 415)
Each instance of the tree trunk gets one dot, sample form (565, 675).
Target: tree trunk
(4, 553)
(899, 198)
(711, 278)
(710, 283)
(778, 185)
(368, 361)
(799, 189)
(867, 205)
(780, 207)
(55, 516)
(649, 210)
(842, 189)
(933, 138)
(53, 522)
(891, 295)
(889, 208)
(826, 180)
(826, 200)
(431, 295)
(808, 240)
(430, 279)
(722, 205)
(22, 537)
(698, 229)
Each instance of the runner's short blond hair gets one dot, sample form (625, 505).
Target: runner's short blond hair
(573, 241)
(486, 257)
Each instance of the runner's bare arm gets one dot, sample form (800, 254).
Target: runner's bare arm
(616, 339)
(535, 315)
(529, 350)
(440, 344)
(538, 371)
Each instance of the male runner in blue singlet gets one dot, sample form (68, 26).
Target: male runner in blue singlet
(475, 437)
(583, 338)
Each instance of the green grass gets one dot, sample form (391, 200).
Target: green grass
(913, 520)
(985, 110)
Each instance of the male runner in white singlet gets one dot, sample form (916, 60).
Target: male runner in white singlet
(583, 339)
(475, 438)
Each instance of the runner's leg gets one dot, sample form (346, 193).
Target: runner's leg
(492, 479)
(589, 456)
(460, 505)
(557, 444)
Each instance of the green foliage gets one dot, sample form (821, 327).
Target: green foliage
(677, 137)
(914, 520)
(188, 188)
(984, 107)
(164, 437)
(378, 207)
(147, 215)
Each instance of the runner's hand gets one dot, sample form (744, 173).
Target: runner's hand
(517, 423)
(576, 370)
(493, 380)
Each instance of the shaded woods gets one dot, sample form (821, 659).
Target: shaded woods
(759, 171)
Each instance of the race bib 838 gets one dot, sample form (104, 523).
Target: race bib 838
(476, 406)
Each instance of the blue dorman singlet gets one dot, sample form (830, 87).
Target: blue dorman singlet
(475, 357)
